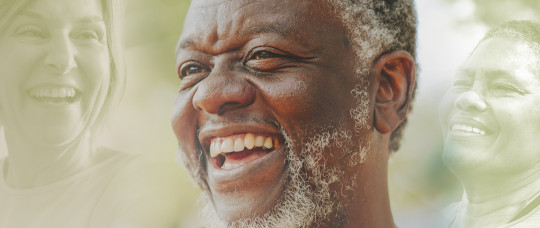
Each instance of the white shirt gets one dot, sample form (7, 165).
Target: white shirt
(122, 191)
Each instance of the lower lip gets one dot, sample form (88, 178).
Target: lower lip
(248, 167)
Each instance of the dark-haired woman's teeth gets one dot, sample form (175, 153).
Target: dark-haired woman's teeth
(467, 129)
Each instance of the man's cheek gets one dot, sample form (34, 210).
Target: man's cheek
(184, 123)
(184, 120)
(194, 166)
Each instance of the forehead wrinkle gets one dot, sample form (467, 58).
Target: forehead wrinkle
(281, 28)
(495, 71)
(215, 34)
(229, 32)
(498, 73)
(233, 33)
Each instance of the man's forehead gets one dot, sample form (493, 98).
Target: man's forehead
(221, 20)
(216, 4)
(247, 26)
(222, 15)
(235, 8)
(238, 4)
(244, 12)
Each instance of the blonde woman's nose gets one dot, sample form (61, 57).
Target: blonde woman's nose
(61, 55)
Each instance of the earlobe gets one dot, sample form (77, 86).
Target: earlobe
(395, 75)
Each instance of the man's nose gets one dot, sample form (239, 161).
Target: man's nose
(470, 101)
(61, 55)
(222, 91)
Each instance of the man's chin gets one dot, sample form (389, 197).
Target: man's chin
(298, 205)
(287, 211)
(248, 204)
(251, 190)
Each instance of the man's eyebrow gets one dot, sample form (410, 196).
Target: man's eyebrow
(284, 29)
(185, 43)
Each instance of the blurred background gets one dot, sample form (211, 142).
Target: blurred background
(448, 30)
(419, 183)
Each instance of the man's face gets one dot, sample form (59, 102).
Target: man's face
(265, 95)
(490, 115)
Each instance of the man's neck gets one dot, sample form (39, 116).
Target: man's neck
(370, 204)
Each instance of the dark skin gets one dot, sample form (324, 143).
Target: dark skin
(251, 66)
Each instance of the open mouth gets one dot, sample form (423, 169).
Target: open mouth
(234, 151)
(468, 130)
(54, 95)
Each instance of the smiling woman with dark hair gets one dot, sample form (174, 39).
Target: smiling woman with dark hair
(491, 127)
(61, 73)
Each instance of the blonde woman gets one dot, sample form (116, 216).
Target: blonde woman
(61, 74)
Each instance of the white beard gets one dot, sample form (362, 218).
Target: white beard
(307, 199)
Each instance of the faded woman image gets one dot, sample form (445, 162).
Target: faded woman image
(491, 125)
(61, 74)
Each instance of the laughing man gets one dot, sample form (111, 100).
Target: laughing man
(288, 110)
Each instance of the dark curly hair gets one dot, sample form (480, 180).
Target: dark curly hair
(519, 31)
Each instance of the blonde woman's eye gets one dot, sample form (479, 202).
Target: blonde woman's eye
(31, 32)
(89, 36)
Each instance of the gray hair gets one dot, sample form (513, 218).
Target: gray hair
(377, 27)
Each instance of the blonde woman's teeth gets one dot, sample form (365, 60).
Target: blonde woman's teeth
(53, 92)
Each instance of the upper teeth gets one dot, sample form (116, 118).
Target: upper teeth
(53, 92)
(236, 143)
(469, 129)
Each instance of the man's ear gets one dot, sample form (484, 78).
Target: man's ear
(396, 75)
